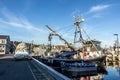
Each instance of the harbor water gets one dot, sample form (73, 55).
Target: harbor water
(111, 71)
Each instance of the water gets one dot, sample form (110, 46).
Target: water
(111, 71)
(113, 74)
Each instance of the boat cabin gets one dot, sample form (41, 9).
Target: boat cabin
(92, 45)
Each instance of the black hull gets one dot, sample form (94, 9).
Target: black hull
(56, 61)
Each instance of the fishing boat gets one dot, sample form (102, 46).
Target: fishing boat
(89, 53)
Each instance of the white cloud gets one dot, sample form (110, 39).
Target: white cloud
(11, 19)
(27, 30)
(98, 8)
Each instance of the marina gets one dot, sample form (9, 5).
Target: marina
(58, 69)
(88, 62)
(59, 40)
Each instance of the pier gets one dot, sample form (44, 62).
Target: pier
(27, 70)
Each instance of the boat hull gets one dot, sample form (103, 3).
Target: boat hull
(56, 61)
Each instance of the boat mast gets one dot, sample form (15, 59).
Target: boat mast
(77, 23)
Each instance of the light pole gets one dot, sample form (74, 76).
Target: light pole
(116, 43)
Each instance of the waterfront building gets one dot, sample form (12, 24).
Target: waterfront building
(5, 44)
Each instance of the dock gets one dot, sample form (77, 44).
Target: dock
(112, 57)
(27, 70)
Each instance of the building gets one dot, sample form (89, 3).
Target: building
(4, 44)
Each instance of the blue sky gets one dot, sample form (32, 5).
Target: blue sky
(25, 20)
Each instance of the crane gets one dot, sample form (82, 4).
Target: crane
(53, 33)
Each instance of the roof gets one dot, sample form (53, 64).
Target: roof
(92, 41)
(4, 36)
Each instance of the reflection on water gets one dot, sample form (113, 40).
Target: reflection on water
(91, 75)
(111, 71)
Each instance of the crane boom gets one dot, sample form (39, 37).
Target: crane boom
(56, 34)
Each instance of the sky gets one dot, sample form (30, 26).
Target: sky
(26, 20)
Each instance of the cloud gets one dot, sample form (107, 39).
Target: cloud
(11, 19)
(19, 26)
(98, 8)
